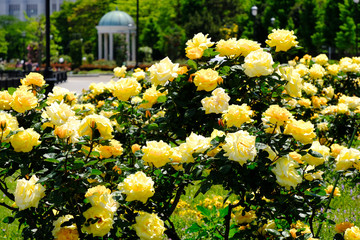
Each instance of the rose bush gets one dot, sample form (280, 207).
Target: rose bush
(113, 162)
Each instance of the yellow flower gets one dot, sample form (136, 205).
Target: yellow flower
(247, 46)
(157, 153)
(101, 196)
(228, 48)
(333, 69)
(282, 39)
(330, 188)
(149, 226)
(304, 102)
(346, 158)
(276, 116)
(258, 63)
(306, 59)
(114, 149)
(139, 74)
(33, 78)
(25, 140)
(302, 69)
(240, 146)
(59, 113)
(7, 123)
(135, 147)
(294, 81)
(163, 71)
(236, 115)
(316, 161)
(66, 232)
(309, 88)
(341, 227)
(352, 233)
(96, 122)
(301, 131)
(69, 130)
(197, 143)
(347, 65)
(317, 71)
(246, 218)
(336, 149)
(207, 79)
(321, 59)
(137, 187)
(23, 100)
(351, 102)
(97, 88)
(196, 46)
(126, 88)
(151, 95)
(217, 103)
(103, 224)
(285, 172)
(314, 175)
(120, 71)
(5, 100)
(60, 94)
(28, 193)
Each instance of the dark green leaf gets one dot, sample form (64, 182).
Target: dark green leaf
(192, 64)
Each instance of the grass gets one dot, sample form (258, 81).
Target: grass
(343, 208)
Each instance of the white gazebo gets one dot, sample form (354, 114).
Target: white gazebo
(116, 22)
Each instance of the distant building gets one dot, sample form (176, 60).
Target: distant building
(32, 8)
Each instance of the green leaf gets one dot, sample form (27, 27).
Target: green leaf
(153, 126)
(193, 228)
(91, 163)
(8, 220)
(161, 99)
(52, 160)
(315, 154)
(223, 212)
(11, 90)
(204, 211)
(95, 172)
(192, 64)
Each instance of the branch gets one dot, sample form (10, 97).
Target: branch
(228, 218)
(177, 198)
(4, 189)
(7, 206)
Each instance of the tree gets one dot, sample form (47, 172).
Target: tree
(346, 36)
(3, 44)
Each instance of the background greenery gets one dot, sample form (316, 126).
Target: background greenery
(165, 26)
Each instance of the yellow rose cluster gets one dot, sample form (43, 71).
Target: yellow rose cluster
(195, 47)
(234, 48)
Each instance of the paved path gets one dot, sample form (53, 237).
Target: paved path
(78, 83)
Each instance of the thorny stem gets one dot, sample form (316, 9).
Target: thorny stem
(333, 190)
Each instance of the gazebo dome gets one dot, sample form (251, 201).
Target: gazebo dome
(116, 18)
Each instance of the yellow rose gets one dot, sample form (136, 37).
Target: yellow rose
(195, 47)
(329, 190)
(151, 95)
(342, 227)
(346, 158)
(247, 46)
(236, 115)
(33, 78)
(97, 88)
(302, 69)
(98, 122)
(311, 176)
(163, 71)
(181, 154)
(25, 140)
(59, 113)
(229, 48)
(101, 196)
(126, 88)
(217, 103)
(306, 59)
(285, 172)
(347, 65)
(197, 143)
(342, 108)
(103, 224)
(120, 71)
(207, 79)
(5, 100)
(137, 187)
(149, 226)
(301, 131)
(246, 218)
(240, 146)
(69, 130)
(294, 81)
(304, 102)
(309, 88)
(23, 100)
(352, 233)
(7, 123)
(157, 153)
(316, 71)
(28, 193)
(351, 102)
(60, 94)
(66, 232)
(333, 69)
(316, 161)
(276, 116)
(321, 59)
(282, 39)
(336, 149)
(258, 63)
(139, 74)
(114, 149)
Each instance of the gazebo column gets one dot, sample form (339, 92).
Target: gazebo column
(133, 44)
(100, 46)
(111, 46)
(106, 48)
(128, 46)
